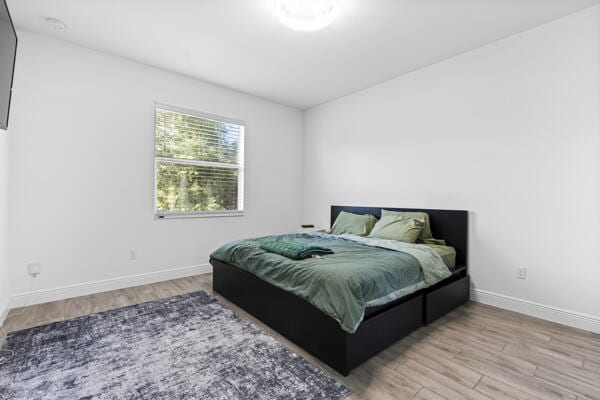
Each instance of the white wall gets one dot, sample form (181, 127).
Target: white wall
(4, 274)
(82, 167)
(510, 132)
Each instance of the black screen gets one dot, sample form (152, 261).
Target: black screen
(8, 48)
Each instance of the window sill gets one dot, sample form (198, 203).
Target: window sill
(198, 215)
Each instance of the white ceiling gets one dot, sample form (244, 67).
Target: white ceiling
(241, 45)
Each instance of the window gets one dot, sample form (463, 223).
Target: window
(199, 164)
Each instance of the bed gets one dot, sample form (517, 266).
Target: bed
(320, 332)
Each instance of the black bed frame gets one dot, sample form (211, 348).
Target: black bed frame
(321, 335)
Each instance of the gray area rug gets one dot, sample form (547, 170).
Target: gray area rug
(183, 347)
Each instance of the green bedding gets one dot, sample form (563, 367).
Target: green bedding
(294, 250)
(447, 253)
(362, 272)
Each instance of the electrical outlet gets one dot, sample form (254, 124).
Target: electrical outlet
(522, 273)
(34, 269)
(132, 254)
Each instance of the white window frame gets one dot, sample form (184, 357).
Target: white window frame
(239, 166)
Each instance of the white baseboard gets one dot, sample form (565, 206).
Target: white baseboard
(4, 308)
(83, 289)
(554, 314)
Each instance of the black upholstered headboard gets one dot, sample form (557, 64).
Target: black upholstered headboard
(450, 225)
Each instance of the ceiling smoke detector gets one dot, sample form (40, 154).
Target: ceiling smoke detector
(306, 15)
(56, 24)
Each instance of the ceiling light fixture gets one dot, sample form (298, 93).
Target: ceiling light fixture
(56, 24)
(306, 15)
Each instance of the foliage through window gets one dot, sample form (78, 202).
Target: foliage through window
(199, 164)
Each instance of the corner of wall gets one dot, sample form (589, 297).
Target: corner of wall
(4, 182)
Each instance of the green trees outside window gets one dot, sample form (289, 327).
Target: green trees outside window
(199, 164)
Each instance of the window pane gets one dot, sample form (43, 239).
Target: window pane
(189, 188)
(193, 138)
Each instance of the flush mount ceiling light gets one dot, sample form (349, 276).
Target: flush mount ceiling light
(306, 15)
(56, 24)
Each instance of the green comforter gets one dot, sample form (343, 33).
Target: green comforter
(362, 272)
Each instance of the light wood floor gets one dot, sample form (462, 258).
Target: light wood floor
(476, 352)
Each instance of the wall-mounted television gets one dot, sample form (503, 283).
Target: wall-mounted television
(8, 52)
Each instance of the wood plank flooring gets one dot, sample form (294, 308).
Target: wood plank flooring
(477, 352)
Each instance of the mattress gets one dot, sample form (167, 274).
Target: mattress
(447, 253)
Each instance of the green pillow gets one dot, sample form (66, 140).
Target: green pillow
(354, 224)
(396, 227)
(426, 236)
